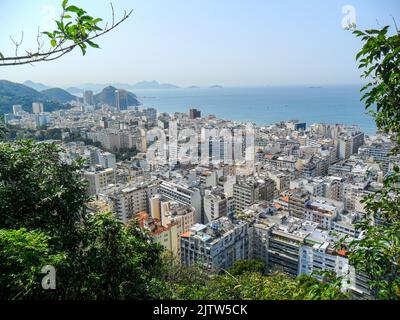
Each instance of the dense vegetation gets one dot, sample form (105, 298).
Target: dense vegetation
(44, 221)
(377, 254)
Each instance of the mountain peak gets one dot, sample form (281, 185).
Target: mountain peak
(36, 85)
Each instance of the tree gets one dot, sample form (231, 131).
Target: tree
(22, 255)
(193, 282)
(75, 28)
(113, 261)
(244, 266)
(380, 59)
(377, 253)
(2, 128)
(43, 221)
(39, 191)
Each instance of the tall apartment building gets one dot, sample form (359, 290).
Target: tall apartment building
(173, 212)
(248, 191)
(379, 152)
(352, 196)
(318, 254)
(259, 241)
(298, 200)
(98, 178)
(107, 160)
(88, 97)
(121, 99)
(215, 205)
(333, 188)
(323, 211)
(113, 139)
(194, 114)
(284, 243)
(187, 195)
(37, 107)
(216, 246)
(350, 144)
(103, 158)
(129, 200)
(281, 180)
(16, 109)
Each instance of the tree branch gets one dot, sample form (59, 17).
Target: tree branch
(58, 51)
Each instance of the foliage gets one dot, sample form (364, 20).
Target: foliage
(125, 153)
(75, 28)
(2, 128)
(179, 282)
(40, 191)
(45, 199)
(380, 57)
(183, 282)
(114, 261)
(244, 266)
(377, 253)
(40, 134)
(22, 255)
(277, 286)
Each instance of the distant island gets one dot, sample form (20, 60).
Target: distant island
(98, 87)
(313, 87)
(153, 85)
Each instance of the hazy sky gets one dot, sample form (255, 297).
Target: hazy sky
(203, 42)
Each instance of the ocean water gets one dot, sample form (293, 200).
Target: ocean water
(266, 105)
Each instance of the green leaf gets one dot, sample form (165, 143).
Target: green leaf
(83, 49)
(53, 42)
(1, 56)
(49, 34)
(64, 3)
(97, 20)
(92, 44)
(75, 9)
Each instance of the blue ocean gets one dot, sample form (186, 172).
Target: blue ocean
(266, 105)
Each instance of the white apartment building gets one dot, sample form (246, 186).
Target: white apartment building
(317, 254)
(129, 200)
(98, 178)
(323, 211)
(184, 194)
(216, 246)
(183, 216)
(37, 107)
(215, 205)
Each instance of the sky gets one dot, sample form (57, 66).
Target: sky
(203, 42)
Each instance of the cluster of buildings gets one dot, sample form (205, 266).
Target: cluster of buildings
(288, 205)
(35, 119)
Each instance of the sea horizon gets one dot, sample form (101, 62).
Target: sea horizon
(264, 105)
